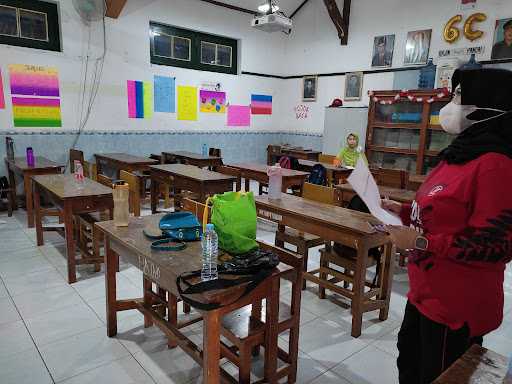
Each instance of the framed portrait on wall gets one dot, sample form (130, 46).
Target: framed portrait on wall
(353, 86)
(383, 47)
(309, 88)
(502, 47)
(417, 47)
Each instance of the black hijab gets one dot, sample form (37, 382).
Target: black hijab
(485, 88)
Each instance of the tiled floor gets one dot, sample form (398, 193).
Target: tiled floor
(51, 332)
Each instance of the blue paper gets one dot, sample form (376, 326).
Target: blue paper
(165, 94)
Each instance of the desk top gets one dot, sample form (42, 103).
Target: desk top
(330, 167)
(420, 179)
(400, 195)
(299, 150)
(476, 366)
(191, 155)
(191, 172)
(40, 163)
(126, 158)
(66, 187)
(262, 168)
(325, 214)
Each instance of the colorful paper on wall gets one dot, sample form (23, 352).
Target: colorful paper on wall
(140, 99)
(187, 103)
(34, 80)
(165, 94)
(212, 101)
(261, 105)
(36, 112)
(2, 99)
(239, 116)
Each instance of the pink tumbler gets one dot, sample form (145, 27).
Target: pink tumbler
(275, 181)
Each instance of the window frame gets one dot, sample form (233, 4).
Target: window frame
(196, 39)
(51, 12)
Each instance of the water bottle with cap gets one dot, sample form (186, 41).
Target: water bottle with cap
(210, 245)
(30, 157)
(275, 182)
(204, 150)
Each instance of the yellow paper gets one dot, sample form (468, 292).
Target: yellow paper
(148, 99)
(187, 103)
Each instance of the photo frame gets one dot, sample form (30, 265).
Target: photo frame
(353, 86)
(383, 49)
(309, 88)
(417, 47)
(502, 44)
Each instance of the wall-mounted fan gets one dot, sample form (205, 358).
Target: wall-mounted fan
(90, 10)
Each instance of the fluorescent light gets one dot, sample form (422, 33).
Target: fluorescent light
(265, 7)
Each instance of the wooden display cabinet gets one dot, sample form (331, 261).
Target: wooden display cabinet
(406, 134)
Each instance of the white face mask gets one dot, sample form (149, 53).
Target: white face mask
(453, 117)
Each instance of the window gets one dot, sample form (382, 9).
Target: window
(184, 48)
(29, 23)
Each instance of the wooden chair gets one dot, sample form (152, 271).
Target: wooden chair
(273, 152)
(232, 172)
(246, 329)
(90, 170)
(75, 154)
(6, 193)
(134, 186)
(327, 159)
(214, 152)
(305, 241)
(396, 178)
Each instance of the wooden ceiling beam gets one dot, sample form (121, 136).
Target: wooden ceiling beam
(341, 22)
(114, 8)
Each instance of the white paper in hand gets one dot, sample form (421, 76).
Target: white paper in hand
(365, 186)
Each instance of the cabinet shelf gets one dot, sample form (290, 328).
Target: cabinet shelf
(403, 151)
(378, 124)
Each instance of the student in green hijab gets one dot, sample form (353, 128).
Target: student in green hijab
(349, 155)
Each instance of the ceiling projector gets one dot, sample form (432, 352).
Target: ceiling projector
(274, 22)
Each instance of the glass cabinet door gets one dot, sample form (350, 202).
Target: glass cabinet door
(434, 112)
(438, 140)
(393, 161)
(403, 138)
(404, 112)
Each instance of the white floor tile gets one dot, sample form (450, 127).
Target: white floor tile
(387, 342)
(37, 303)
(319, 307)
(52, 326)
(14, 339)
(16, 268)
(3, 290)
(12, 234)
(22, 254)
(34, 282)
(81, 353)
(330, 378)
(123, 371)
(99, 307)
(24, 368)
(94, 288)
(8, 312)
(17, 244)
(370, 365)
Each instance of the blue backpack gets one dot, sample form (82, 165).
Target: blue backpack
(176, 228)
(318, 175)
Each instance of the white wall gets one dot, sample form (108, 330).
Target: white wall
(128, 59)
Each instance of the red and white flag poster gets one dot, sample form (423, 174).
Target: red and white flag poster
(468, 4)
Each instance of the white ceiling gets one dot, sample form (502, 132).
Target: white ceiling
(287, 6)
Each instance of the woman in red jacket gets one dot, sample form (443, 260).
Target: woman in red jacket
(460, 230)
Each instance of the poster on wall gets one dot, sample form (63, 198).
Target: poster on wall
(2, 99)
(165, 94)
(353, 86)
(261, 104)
(140, 99)
(34, 80)
(502, 48)
(187, 103)
(36, 112)
(239, 116)
(417, 47)
(212, 101)
(383, 47)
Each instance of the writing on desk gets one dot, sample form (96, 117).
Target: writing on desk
(149, 268)
(270, 215)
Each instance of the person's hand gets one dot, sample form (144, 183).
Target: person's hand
(403, 237)
(391, 206)
(337, 162)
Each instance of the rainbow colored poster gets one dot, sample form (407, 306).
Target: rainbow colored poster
(2, 99)
(36, 112)
(34, 80)
(140, 99)
(212, 101)
(261, 105)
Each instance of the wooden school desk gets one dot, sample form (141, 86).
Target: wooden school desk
(122, 162)
(346, 193)
(192, 158)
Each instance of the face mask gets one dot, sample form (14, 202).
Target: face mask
(453, 117)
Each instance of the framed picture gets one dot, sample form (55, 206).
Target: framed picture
(444, 73)
(417, 47)
(383, 47)
(309, 88)
(353, 86)
(502, 47)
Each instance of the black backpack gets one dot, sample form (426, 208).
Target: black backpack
(318, 175)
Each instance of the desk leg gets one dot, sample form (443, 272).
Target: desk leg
(359, 283)
(70, 243)
(271, 334)
(111, 263)
(154, 195)
(37, 209)
(29, 200)
(387, 269)
(211, 347)
(12, 184)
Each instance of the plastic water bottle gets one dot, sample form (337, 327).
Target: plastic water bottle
(204, 150)
(275, 182)
(30, 157)
(210, 244)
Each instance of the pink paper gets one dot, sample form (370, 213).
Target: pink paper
(239, 116)
(132, 104)
(2, 100)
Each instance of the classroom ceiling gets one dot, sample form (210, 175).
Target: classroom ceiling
(287, 6)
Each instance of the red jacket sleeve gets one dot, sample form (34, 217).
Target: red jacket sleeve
(405, 214)
(488, 235)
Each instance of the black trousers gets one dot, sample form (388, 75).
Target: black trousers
(426, 348)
